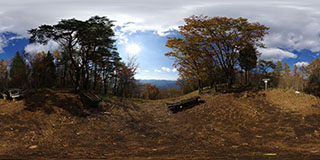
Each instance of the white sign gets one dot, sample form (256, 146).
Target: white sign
(266, 83)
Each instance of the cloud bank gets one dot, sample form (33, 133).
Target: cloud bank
(275, 54)
(35, 48)
(300, 64)
(294, 24)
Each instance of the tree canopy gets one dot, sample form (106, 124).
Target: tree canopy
(215, 42)
(87, 45)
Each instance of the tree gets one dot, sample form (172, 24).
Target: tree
(248, 59)
(187, 59)
(278, 69)
(174, 92)
(125, 83)
(50, 70)
(298, 81)
(187, 84)
(285, 78)
(43, 70)
(4, 75)
(86, 44)
(62, 68)
(38, 70)
(151, 91)
(216, 40)
(265, 68)
(18, 72)
(313, 73)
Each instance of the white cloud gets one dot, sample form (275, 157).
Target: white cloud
(166, 69)
(6, 39)
(275, 54)
(300, 64)
(3, 43)
(146, 71)
(157, 70)
(294, 24)
(174, 70)
(35, 48)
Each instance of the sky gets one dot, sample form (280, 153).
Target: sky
(142, 26)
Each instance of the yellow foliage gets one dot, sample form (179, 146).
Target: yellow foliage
(56, 54)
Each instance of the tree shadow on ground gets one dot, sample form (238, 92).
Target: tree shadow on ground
(49, 101)
(53, 101)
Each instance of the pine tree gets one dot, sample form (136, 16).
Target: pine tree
(18, 72)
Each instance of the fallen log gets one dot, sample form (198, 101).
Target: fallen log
(181, 104)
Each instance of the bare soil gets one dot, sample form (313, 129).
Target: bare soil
(250, 125)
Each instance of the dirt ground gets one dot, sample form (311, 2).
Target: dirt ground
(250, 125)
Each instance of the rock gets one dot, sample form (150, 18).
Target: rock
(33, 147)
(245, 144)
(245, 94)
(316, 133)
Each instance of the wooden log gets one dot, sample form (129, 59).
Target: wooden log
(182, 103)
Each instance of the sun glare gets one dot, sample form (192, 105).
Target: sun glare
(133, 49)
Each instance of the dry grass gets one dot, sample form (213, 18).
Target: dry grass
(10, 107)
(291, 101)
(247, 125)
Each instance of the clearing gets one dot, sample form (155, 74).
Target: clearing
(275, 124)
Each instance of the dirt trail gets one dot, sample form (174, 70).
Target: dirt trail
(226, 126)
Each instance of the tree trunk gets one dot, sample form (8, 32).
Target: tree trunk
(199, 87)
(246, 77)
(230, 81)
(95, 77)
(64, 75)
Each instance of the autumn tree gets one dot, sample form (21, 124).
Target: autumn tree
(216, 40)
(18, 72)
(283, 72)
(298, 80)
(4, 74)
(187, 57)
(151, 91)
(125, 83)
(187, 84)
(174, 92)
(312, 71)
(43, 72)
(62, 68)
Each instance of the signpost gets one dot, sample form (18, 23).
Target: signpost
(265, 83)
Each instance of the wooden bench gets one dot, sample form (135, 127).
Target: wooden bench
(90, 98)
(182, 104)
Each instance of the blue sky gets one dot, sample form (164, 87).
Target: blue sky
(142, 26)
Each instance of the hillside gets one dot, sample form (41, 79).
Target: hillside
(162, 84)
(248, 125)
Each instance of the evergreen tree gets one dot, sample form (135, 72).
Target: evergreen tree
(18, 72)
(50, 71)
(248, 60)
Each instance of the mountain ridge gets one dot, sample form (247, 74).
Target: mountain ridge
(162, 84)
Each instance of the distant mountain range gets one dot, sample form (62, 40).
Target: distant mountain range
(161, 84)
